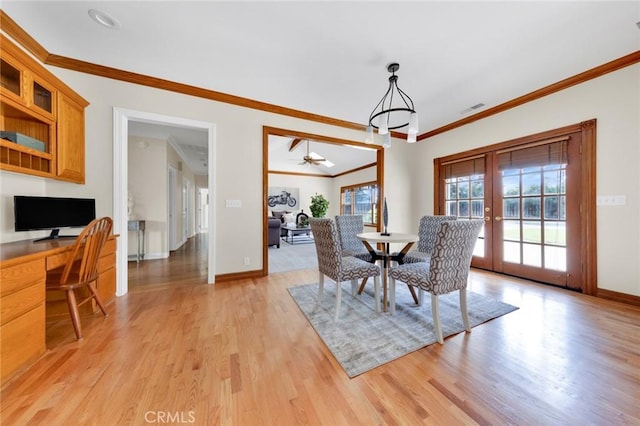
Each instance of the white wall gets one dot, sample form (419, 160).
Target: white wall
(309, 186)
(329, 187)
(147, 173)
(614, 100)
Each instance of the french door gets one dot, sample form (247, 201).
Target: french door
(532, 194)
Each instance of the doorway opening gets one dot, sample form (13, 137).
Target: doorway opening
(121, 120)
(273, 136)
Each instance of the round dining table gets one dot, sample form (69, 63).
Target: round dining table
(386, 256)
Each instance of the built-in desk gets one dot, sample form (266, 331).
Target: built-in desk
(24, 304)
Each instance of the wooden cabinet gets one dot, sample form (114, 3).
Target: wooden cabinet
(70, 137)
(22, 315)
(25, 304)
(41, 119)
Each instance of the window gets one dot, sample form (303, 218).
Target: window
(361, 199)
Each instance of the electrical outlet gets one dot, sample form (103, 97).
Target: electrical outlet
(247, 261)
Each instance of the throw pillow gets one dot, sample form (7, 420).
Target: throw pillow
(289, 218)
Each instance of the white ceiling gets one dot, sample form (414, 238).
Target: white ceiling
(330, 58)
(344, 157)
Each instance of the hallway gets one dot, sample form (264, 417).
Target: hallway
(185, 266)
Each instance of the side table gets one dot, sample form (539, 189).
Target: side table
(138, 226)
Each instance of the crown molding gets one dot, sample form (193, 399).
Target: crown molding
(596, 72)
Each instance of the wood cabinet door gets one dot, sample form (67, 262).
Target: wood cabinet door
(70, 141)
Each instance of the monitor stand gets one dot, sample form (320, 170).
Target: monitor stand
(54, 235)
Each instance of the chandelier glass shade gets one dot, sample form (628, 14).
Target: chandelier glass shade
(394, 111)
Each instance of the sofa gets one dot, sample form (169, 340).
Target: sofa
(280, 215)
(273, 231)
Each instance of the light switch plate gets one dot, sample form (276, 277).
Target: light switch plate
(611, 200)
(234, 203)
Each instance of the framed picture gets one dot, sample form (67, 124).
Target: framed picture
(283, 198)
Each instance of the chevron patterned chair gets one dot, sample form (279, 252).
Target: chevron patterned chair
(350, 225)
(427, 231)
(445, 271)
(339, 268)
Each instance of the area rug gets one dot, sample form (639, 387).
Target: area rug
(362, 340)
(292, 257)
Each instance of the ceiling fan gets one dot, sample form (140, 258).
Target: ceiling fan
(312, 159)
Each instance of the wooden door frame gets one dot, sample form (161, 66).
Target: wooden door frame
(587, 196)
(266, 131)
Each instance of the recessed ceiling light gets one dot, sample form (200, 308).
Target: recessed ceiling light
(104, 19)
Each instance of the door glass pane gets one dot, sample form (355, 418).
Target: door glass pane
(464, 198)
(511, 208)
(531, 208)
(552, 184)
(452, 190)
(478, 249)
(532, 255)
(555, 258)
(463, 188)
(477, 209)
(511, 185)
(451, 208)
(463, 209)
(511, 230)
(551, 208)
(532, 231)
(555, 233)
(531, 184)
(477, 188)
(511, 252)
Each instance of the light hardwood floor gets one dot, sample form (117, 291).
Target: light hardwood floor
(176, 350)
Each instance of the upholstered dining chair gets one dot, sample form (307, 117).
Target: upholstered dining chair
(350, 225)
(339, 268)
(81, 270)
(427, 231)
(445, 271)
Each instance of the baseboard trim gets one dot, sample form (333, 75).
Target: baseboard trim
(240, 276)
(629, 299)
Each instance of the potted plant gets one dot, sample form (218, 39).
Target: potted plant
(319, 205)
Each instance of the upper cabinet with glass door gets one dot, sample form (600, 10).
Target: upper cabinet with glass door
(35, 138)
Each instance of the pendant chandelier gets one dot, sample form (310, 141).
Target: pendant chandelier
(394, 111)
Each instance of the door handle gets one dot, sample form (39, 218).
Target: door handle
(487, 218)
(498, 218)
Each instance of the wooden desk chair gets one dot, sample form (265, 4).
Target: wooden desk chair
(81, 269)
